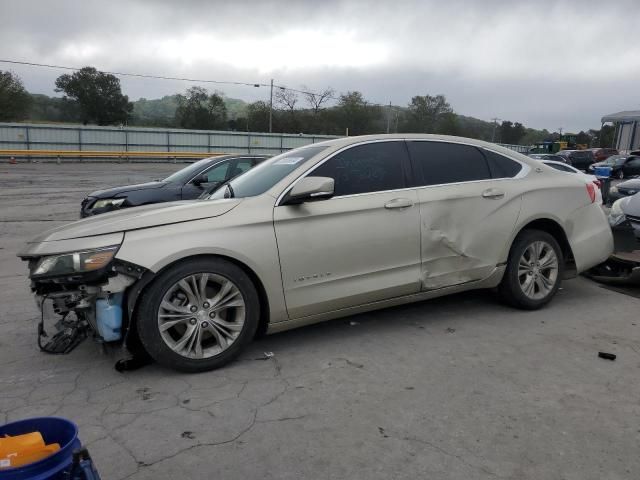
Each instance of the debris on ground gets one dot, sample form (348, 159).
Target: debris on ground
(620, 269)
(450, 330)
(607, 356)
(265, 356)
(133, 363)
(188, 435)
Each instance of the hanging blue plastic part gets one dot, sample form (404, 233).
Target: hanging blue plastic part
(109, 317)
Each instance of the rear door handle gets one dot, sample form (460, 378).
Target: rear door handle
(398, 203)
(493, 193)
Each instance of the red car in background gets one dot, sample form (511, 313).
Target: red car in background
(603, 153)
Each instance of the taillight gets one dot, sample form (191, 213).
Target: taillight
(591, 190)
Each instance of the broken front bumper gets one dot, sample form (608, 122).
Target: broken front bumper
(93, 304)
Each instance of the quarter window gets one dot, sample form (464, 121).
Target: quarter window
(442, 163)
(501, 166)
(372, 167)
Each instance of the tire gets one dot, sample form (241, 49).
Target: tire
(620, 175)
(516, 288)
(215, 334)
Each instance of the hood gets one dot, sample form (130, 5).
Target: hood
(139, 217)
(632, 205)
(112, 192)
(631, 184)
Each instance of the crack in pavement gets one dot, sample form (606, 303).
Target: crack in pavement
(441, 450)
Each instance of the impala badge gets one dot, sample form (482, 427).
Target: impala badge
(315, 276)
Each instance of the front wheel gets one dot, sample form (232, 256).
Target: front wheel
(534, 270)
(198, 315)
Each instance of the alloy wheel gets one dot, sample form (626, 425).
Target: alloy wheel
(201, 315)
(538, 270)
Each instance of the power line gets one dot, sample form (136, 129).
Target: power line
(271, 85)
(183, 79)
(140, 75)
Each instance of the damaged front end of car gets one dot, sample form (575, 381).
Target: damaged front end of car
(83, 293)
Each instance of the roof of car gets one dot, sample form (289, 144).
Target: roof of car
(345, 141)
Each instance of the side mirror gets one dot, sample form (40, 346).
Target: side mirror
(310, 189)
(200, 179)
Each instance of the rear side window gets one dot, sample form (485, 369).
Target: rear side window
(441, 162)
(373, 167)
(501, 166)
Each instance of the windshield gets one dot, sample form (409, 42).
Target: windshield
(261, 178)
(181, 176)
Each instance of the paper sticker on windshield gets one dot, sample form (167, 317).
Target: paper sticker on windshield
(289, 161)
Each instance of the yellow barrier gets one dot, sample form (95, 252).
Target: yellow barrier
(103, 154)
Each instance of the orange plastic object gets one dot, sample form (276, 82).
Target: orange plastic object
(24, 449)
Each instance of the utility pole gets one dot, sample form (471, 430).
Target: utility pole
(271, 109)
(495, 125)
(389, 118)
(560, 130)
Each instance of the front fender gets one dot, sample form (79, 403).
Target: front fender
(251, 243)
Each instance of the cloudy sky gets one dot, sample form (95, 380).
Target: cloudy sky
(545, 63)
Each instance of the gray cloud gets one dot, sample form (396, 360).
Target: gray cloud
(544, 63)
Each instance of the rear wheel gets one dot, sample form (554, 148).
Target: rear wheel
(534, 270)
(198, 315)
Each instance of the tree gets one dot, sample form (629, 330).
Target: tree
(98, 95)
(511, 133)
(355, 113)
(584, 138)
(199, 110)
(14, 99)
(425, 111)
(287, 99)
(258, 117)
(606, 136)
(448, 124)
(315, 100)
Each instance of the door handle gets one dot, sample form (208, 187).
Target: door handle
(493, 193)
(398, 203)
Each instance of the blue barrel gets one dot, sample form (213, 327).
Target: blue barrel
(53, 430)
(602, 172)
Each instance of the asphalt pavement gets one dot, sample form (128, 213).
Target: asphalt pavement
(460, 387)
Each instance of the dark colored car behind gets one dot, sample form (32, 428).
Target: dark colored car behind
(624, 189)
(622, 166)
(580, 159)
(188, 183)
(601, 154)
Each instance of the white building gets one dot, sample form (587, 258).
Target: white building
(627, 134)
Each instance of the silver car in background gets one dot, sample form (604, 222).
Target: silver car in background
(320, 232)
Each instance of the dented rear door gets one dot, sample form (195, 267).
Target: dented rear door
(466, 216)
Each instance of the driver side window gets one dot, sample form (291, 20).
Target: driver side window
(367, 168)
